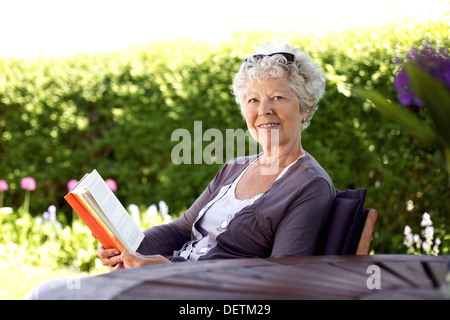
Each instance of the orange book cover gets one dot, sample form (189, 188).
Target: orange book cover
(98, 228)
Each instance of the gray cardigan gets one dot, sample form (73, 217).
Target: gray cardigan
(284, 221)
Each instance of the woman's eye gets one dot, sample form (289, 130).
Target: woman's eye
(278, 98)
(253, 100)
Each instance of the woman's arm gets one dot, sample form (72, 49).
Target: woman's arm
(164, 239)
(298, 231)
(160, 240)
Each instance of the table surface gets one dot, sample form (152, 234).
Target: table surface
(315, 277)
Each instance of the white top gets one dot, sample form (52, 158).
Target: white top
(221, 210)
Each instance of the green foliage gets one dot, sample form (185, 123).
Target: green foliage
(435, 130)
(116, 112)
(44, 242)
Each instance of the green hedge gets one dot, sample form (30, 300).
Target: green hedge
(116, 112)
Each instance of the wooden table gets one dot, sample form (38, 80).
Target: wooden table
(317, 277)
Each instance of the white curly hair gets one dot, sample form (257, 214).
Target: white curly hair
(305, 78)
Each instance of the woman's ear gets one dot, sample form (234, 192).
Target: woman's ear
(306, 111)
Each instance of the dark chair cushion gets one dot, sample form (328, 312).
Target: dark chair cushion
(343, 212)
(342, 229)
(354, 234)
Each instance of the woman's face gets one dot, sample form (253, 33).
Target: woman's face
(272, 109)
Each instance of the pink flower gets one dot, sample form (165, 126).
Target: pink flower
(28, 183)
(3, 185)
(111, 184)
(72, 183)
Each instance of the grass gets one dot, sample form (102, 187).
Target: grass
(17, 280)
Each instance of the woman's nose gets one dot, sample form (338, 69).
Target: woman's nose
(265, 108)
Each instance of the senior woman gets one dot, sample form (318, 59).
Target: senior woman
(266, 205)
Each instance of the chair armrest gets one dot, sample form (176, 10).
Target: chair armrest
(367, 232)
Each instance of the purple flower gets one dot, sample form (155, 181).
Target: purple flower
(111, 184)
(50, 214)
(434, 61)
(28, 183)
(3, 185)
(72, 183)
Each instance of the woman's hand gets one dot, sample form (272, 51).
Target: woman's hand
(110, 258)
(131, 260)
(115, 261)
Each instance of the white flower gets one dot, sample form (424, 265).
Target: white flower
(428, 233)
(409, 205)
(426, 220)
(152, 211)
(417, 241)
(408, 241)
(167, 218)
(163, 208)
(134, 210)
(436, 249)
(407, 231)
(425, 246)
(38, 220)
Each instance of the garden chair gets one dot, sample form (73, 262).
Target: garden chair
(349, 227)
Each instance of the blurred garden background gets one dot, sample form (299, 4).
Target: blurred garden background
(115, 111)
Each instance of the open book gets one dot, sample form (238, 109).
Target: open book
(103, 213)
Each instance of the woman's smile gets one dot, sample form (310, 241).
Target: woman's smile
(272, 125)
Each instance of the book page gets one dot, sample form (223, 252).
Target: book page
(113, 209)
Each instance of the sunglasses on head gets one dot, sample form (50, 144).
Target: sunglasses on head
(290, 58)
